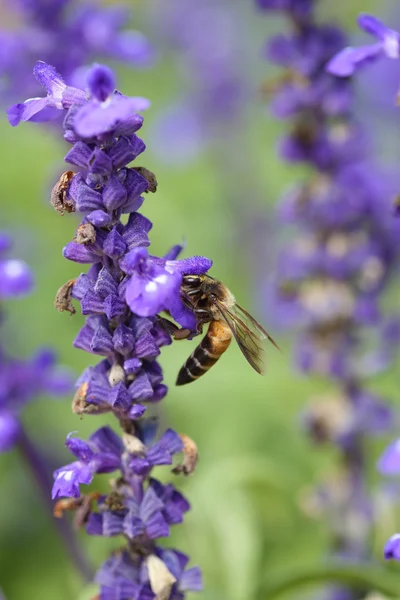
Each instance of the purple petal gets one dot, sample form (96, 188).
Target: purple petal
(389, 462)
(79, 253)
(195, 265)
(68, 479)
(372, 25)
(171, 441)
(9, 430)
(106, 440)
(137, 411)
(95, 120)
(15, 278)
(26, 111)
(101, 82)
(392, 547)
(150, 505)
(79, 448)
(99, 218)
(350, 59)
(156, 526)
(191, 580)
(147, 296)
(48, 78)
(174, 252)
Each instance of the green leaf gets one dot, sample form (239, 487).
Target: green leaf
(365, 578)
(89, 592)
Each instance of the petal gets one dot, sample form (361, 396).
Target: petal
(191, 580)
(195, 265)
(16, 278)
(80, 253)
(26, 111)
(80, 448)
(157, 526)
(48, 78)
(389, 462)
(93, 120)
(9, 430)
(101, 82)
(174, 252)
(68, 479)
(372, 25)
(171, 441)
(150, 504)
(350, 59)
(114, 194)
(392, 547)
(137, 411)
(106, 440)
(99, 218)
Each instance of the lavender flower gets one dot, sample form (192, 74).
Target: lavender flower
(341, 64)
(122, 294)
(69, 35)
(214, 92)
(22, 380)
(15, 276)
(333, 274)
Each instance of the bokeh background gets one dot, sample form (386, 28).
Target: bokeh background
(217, 190)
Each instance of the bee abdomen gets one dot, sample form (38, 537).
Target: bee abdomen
(211, 347)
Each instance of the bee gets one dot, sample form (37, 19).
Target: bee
(212, 302)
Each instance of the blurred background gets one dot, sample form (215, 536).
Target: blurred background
(219, 182)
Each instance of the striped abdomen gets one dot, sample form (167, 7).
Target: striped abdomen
(211, 347)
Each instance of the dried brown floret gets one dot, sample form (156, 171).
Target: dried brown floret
(190, 456)
(59, 194)
(62, 300)
(85, 234)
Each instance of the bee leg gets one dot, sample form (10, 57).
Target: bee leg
(178, 333)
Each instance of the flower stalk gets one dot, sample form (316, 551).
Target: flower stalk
(121, 296)
(333, 275)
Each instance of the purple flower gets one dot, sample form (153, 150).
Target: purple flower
(69, 35)
(212, 69)
(16, 278)
(21, 381)
(160, 453)
(121, 296)
(106, 109)
(389, 462)
(59, 97)
(392, 547)
(339, 258)
(154, 285)
(350, 59)
(101, 454)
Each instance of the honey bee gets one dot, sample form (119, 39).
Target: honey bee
(212, 302)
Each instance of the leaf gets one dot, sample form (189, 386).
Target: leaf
(359, 577)
(89, 592)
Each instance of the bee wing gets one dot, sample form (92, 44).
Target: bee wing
(248, 334)
(252, 323)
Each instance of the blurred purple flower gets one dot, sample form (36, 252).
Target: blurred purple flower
(392, 547)
(16, 278)
(336, 266)
(69, 35)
